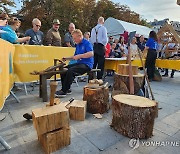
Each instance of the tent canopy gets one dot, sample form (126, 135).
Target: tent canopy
(116, 27)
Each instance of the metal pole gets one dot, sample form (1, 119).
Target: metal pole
(12, 93)
(4, 143)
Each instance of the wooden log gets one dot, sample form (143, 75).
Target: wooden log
(121, 83)
(97, 99)
(133, 116)
(55, 140)
(124, 69)
(50, 118)
(53, 86)
(77, 110)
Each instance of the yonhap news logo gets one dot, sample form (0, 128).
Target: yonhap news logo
(135, 143)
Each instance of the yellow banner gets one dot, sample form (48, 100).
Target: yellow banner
(36, 58)
(112, 64)
(6, 70)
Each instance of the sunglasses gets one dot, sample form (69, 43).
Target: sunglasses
(111, 38)
(15, 19)
(38, 25)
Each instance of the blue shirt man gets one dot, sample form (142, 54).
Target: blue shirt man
(84, 56)
(84, 47)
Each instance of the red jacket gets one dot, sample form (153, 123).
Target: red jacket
(108, 49)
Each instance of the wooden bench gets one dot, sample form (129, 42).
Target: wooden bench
(43, 83)
(92, 74)
(47, 75)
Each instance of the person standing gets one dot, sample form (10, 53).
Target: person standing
(134, 48)
(87, 35)
(141, 43)
(152, 46)
(53, 37)
(36, 35)
(84, 56)
(99, 39)
(69, 42)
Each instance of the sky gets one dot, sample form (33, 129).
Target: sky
(148, 9)
(154, 9)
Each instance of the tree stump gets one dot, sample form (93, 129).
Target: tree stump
(97, 99)
(121, 83)
(133, 116)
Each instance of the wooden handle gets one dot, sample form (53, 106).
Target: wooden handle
(146, 77)
(131, 82)
(70, 101)
(53, 86)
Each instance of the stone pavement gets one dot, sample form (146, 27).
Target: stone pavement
(95, 135)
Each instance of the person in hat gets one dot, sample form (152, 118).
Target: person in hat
(53, 37)
(36, 35)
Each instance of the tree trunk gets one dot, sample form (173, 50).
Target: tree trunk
(133, 116)
(97, 99)
(121, 83)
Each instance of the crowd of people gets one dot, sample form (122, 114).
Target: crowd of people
(91, 48)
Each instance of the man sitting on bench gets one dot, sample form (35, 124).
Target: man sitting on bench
(85, 60)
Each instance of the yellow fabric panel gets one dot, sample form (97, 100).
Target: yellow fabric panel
(6, 70)
(29, 58)
(170, 64)
(161, 63)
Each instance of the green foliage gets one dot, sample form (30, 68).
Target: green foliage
(83, 13)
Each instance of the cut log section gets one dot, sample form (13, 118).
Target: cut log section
(55, 140)
(133, 116)
(124, 69)
(97, 99)
(50, 118)
(77, 110)
(121, 83)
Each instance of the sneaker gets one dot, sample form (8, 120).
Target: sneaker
(60, 94)
(69, 92)
(165, 75)
(27, 116)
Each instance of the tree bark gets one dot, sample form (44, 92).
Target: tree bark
(97, 99)
(121, 83)
(133, 116)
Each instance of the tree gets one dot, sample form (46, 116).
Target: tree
(4, 4)
(83, 13)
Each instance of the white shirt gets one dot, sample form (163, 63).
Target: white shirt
(101, 35)
(134, 49)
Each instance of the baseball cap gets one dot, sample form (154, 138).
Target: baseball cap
(56, 21)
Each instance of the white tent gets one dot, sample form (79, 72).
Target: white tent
(116, 27)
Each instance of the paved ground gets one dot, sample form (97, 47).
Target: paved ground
(94, 135)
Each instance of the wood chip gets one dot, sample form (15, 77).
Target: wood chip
(98, 116)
